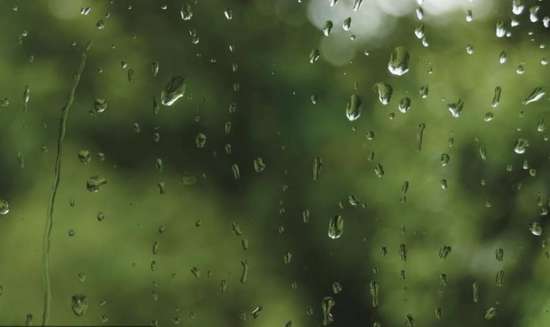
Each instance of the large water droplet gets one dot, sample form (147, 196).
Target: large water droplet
(399, 61)
(173, 91)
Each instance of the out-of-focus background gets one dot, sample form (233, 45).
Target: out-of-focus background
(255, 199)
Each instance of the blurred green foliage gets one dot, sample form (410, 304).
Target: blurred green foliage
(253, 72)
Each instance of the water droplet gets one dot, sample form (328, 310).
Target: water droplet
(445, 159)
(236, 171)
(496, 97)
(535, 95)
(384, 91)
(327, 305)
(228, 14)
(354, 107)
(535, 228)
(404, 105)
(399, 61)
(490, 313)
(357, 5)
(200, 140)
(374, 290)
(444, 251)
(337, 288)
(186, 12)
(259, 165)
(501, 28)
(336, 227)
(534, 12)
(94, 183)
(518, 6)
(347, 24)
(455, 108)
(521, 146)
(420, 135)
(314, 56)
(244, 271)
(79, 304)
(4, 207)
(100, 105)
(317, 166)
(419, 31)
(328, 27)
(173, 91)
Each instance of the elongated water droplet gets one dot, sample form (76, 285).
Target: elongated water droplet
(379, 170)
(419, 31)
(357, 5)
(403, 252)
(496, 97)
(244, 271)
(336, 227)
(399, 61)
(404, 190)
(314, 56)
(384, 91)
(354, 107)
(347, 24)
(535, 95)
(327, 305)
(317, 166)
(173, 91)
(236, 171)
(445, 159)
(374, 290)
(420, 135)
(475, 292)
(328, 27)
(26, 97)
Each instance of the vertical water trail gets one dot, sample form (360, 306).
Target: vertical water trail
(57, 178)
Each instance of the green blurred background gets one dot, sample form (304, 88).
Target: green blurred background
(253, 72)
